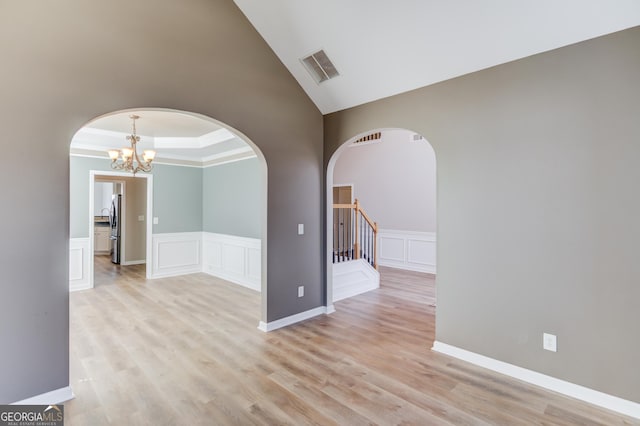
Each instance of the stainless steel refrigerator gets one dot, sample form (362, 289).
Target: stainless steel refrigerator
(116, 226)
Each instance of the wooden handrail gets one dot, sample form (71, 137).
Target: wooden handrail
(367, 218)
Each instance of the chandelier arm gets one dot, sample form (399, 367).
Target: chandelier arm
(127, 163)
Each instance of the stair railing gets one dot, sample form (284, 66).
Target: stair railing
(354, 234)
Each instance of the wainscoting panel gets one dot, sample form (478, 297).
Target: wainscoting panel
(235, 259)
(413, 251)
(79, 264)
(176, 254)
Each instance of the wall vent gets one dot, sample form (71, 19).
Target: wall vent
(371, 138)
(320, 66)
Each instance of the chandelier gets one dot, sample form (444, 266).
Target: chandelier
(127, 159)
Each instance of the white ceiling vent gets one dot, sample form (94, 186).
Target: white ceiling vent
(320, 66)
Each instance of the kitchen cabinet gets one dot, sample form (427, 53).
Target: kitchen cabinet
(102, 192)
(101, 241)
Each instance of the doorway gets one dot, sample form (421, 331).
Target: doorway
(393, 183)
(121, 236)
(342, 221)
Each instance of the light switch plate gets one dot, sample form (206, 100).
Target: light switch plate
(155, 220)
(301, 229)
(141, 218)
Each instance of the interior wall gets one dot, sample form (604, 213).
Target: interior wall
(232, 195)
(177, 196)
(394, 180)
(537, 207)
(201, 56)
(136, 230)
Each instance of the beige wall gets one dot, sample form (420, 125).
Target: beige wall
(394, 180)
(70, 61)
(136, 205)
(537, 205)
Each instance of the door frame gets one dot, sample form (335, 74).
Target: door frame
(149, 216)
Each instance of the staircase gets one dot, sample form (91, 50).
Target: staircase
(355, 260)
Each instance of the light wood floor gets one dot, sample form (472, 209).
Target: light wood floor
(186, 350)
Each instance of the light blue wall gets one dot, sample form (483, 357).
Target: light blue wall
(177, 196)
(177, 199)
(232, 198)
(225, 199)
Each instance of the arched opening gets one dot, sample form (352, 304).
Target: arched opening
(392, 174)
(186, 208)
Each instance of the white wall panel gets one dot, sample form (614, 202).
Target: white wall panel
(176, 254)
(414, 251)
(79, 264)
(235, 259)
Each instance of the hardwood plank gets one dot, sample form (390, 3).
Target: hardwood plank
(186, 350)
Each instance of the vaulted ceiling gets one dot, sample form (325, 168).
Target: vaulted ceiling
(382, 48)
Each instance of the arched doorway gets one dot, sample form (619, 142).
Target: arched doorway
(179, 237)
(392, 173)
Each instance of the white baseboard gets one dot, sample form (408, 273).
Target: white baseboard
(53, 397)
(79, 264)
(283, 322)
(352, 278)
(409, 250)
(133, 262)
(601, 399)
(232, 258)
(176, 254)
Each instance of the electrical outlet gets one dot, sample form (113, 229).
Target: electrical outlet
(300, 291)
(141, 218)
(549, 342)
(155, 220)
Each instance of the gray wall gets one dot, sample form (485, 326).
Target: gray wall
(538, 207)
(194, 55)
(177, 196)
(394, 180)
(232, 198)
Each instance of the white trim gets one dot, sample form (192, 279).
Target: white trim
(149, 212)
(133, 262)
(409, 250)
(244, 149)
(233, 160)
(79, 264)
(53, 397)
(352, 278)
(339, 185)
(171, 247)
(286, 321)
(601, 399)
(232, 258)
